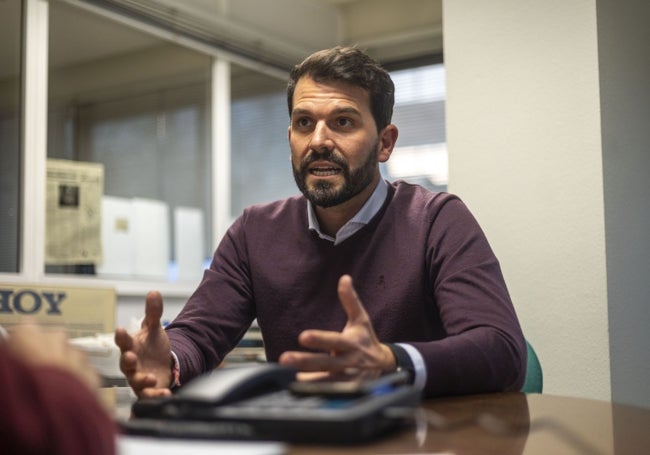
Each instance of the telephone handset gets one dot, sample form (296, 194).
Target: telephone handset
(264, 401)
(227, 384)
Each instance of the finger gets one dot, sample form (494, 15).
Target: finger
(141, 381)
(128, 363)
(307, 361)
(28, 321)
(312, 376)
(322, 340)
(26, 327)
(153, 311)
(154, 392)
(123, 340)
(350, 300)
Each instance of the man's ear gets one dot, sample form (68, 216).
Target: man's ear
(387, 140)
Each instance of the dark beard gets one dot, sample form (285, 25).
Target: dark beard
(323, 194)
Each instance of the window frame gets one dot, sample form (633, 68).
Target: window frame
(33, 136)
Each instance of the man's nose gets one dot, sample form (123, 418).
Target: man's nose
(321, 138)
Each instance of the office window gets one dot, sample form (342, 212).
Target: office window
(260, 158)
(420, 155)
(139, 106)
(261, 169)
(10, 113)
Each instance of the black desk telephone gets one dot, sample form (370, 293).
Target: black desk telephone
(265, 402)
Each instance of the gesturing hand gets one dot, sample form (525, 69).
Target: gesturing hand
(40, 346)
(353, 353)
(146, 356)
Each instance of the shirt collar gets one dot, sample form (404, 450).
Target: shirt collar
(363, 216)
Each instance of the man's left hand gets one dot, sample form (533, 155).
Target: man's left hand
(354, 353)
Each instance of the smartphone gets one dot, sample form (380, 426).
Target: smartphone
(350, 388)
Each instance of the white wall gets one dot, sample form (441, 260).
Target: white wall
(523, 132)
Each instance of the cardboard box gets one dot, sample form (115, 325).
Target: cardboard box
(82, 311)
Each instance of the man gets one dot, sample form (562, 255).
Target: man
(428, 295)
(49, 397)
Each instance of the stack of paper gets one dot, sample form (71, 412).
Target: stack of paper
(102, 352)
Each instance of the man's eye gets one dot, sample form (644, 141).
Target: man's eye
(344, 122)
(303, 122)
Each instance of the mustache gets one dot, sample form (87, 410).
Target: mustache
(328, 155)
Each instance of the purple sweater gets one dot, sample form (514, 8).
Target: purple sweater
(422, 268)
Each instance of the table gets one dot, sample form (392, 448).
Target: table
(503, 423)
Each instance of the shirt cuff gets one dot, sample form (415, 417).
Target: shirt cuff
(419, 368)
(176, 372)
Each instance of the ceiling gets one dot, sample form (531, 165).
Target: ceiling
(278, 33)
(282, 32)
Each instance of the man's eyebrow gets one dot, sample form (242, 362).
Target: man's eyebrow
(337, 111)
(347, 110)
(299, 111)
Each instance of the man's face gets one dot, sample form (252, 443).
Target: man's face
(335, 148)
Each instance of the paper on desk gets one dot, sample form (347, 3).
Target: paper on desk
(138, 445)
(102, 352)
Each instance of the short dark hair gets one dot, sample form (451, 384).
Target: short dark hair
(351, 66)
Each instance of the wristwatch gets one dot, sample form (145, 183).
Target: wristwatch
(403, 360)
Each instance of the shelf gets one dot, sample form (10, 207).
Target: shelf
(126, 288)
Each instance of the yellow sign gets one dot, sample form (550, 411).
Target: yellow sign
(82, 311)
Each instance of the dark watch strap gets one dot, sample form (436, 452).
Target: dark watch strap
(403, 360)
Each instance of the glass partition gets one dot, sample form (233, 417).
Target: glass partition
(130, 112)
(260, 158)
(129, 147)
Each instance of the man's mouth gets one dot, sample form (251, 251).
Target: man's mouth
(324, 171)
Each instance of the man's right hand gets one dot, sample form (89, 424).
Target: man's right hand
(146, 355)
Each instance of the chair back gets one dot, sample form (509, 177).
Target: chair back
(534, 382)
